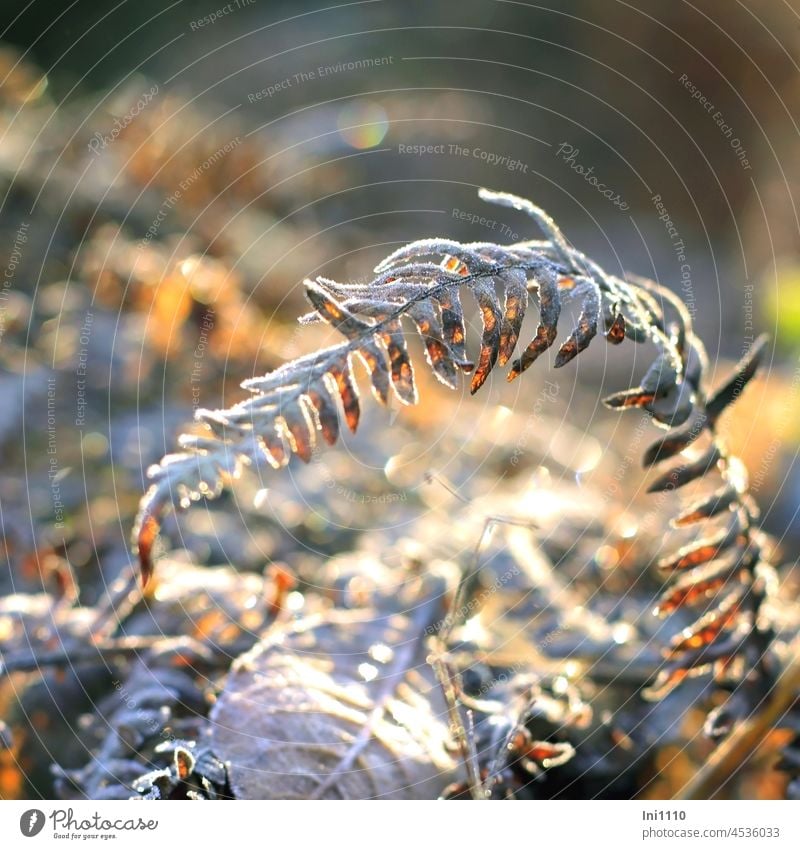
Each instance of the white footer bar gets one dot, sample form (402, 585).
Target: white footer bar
(404, 825)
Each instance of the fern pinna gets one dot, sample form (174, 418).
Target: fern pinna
(419, 286)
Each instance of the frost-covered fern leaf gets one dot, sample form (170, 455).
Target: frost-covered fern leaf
(724, 572)
(420, 288)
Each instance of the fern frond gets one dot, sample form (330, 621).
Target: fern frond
(723, 571)
(417, 288)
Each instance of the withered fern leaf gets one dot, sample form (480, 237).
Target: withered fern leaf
(726, 572)
(419, 288)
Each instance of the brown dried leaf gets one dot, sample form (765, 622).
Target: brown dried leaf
(585, 330)
(675, 441)
(453, 327)
(296, 399)
(326, 413)
(374, 361)
(145, 539)
(708, 628)
(490, 341)
(710, 657)
(348, 393)
(300, 429)
(274, 448)
(615, 334)
(184, 763)
(549, 312)
(428, 323)
(704, 551)
(697, 587)
(629, 398)
(706, 508)
(334, 313)
(514, 283)
(402, 370)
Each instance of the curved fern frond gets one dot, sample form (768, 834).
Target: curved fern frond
(419, 288)
(726, 571)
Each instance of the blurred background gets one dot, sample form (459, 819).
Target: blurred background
(170, 173)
